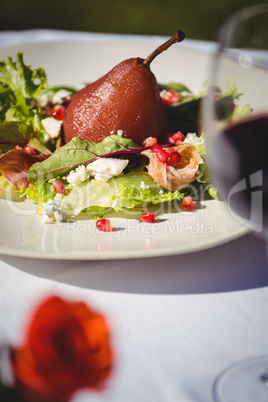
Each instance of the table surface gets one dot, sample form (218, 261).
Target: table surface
(177, 321)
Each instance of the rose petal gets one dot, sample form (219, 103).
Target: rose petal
(67, 347)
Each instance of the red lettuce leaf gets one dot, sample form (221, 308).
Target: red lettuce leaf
(15, 165)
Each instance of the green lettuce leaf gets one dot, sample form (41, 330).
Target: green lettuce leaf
(43, 191)
(77, 152)
(21, 80)
(241, 112)
(203, 174)
(20, 88)
(183, 117)
(135, 189)
(179, 87)
(204, 178)
(12, 134)
(5, 185)
(57, 88)
(40, 193)
(17, 133)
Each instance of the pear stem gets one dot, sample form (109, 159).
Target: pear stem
(177, 37)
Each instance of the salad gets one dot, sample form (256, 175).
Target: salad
(112, 175)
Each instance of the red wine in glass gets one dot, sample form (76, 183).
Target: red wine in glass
(239, 162)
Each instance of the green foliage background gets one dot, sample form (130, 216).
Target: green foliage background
(199, 19)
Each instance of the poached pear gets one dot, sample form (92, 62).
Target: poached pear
(127, 98)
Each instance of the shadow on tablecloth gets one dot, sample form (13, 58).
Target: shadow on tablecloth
(237, 265)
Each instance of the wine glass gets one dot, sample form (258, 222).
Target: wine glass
(236, 126)
(237, 135)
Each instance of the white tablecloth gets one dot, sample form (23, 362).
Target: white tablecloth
(177, 321)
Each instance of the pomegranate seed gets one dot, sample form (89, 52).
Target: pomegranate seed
(170, 97)
(162, 155)
(179, 136)
(58, 187)
(174, 159)
(156, 148)
(58, 112)
(104, 225)
(29, 150)
(187, 203)
(170, 150)
(151, 142)
(148, 217)
(176, 138)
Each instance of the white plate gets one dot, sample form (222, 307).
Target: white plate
(176, 231)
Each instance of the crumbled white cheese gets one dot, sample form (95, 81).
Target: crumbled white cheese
(161, 192)
(59, 96)
(45, 98)
(52, 127)
(52, 210)
(120, 132)
(105, 168)
(102, 176)
(77, 176)
(144, 186)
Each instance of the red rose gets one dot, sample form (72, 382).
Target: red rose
(67, 348)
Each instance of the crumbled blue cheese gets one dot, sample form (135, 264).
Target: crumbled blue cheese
(77, 176)
(52, 210)
(60, 95)
(144, 186)
(52, 127)
(105, 168)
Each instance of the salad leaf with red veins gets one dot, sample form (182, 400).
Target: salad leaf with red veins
(78, 152)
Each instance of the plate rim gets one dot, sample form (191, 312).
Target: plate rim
(120, 255)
